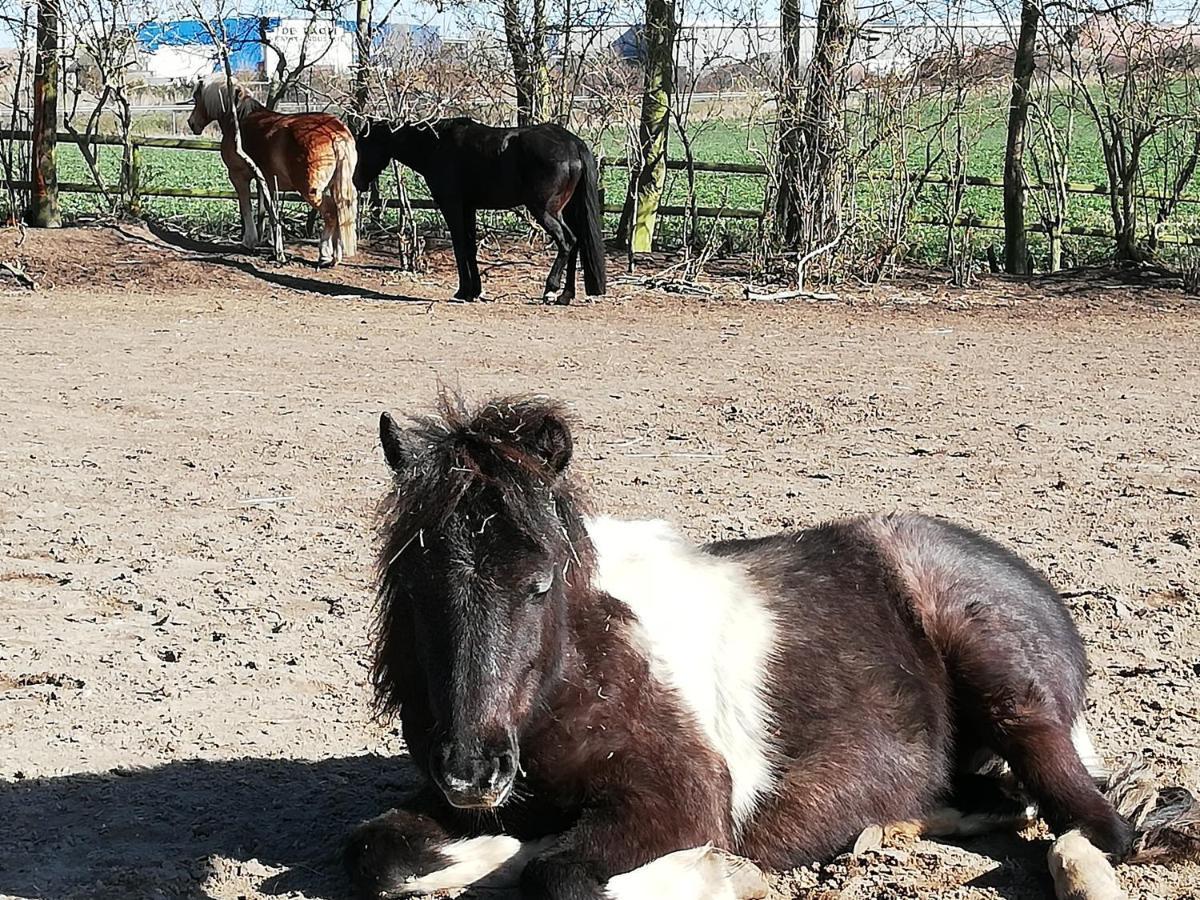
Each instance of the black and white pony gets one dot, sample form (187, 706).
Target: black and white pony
(602, 709)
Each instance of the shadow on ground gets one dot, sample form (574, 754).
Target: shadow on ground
(160, 831)
(235, 256)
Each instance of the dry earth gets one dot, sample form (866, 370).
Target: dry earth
(188, 472)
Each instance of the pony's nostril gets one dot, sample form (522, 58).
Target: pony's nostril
(503, 769)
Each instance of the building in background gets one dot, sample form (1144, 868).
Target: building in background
(184, 49)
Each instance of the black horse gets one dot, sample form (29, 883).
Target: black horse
(469, 166)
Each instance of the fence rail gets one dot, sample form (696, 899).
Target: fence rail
(669, 211)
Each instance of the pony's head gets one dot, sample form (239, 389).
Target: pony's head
(373, 143)
(379, 142)
(210, 101)
(481, 537)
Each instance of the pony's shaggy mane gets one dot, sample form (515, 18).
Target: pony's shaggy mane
(485, 460)
(214, 97)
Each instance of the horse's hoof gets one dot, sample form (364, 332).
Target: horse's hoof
(326, 263)
(564, 300)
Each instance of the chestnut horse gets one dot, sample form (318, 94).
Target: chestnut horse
(596, 704)
(312, 154)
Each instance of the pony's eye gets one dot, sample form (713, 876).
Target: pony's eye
(539, 589)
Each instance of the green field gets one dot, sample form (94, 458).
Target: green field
(714, 141)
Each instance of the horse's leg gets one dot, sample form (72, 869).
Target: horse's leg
(564, 242)
(471, 223)
(249, 232)
(568, 291)
(453, 212)
(328, 255)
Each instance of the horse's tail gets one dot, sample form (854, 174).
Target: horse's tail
(1166, 821)
(345, 197)
(585, 217)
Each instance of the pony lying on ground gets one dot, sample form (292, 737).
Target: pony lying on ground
(596, 703)
(469, 166)
(310, 153)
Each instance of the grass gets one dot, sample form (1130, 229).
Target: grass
(716, 140)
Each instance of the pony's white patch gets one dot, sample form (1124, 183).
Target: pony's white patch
(697, 874)
(491, 861)
(706, 633)
(1087, 750)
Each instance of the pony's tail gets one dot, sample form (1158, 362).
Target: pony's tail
(587, 220)
(345, 197)
(1166, 822)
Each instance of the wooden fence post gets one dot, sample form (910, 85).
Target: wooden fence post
(134, 187)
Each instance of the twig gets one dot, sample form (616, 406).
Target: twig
(17, 271)
(782, 296)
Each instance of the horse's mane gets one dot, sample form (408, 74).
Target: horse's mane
(214, 95)
(459, 457)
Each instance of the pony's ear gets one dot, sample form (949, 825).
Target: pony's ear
(552, 442)
(395, 448)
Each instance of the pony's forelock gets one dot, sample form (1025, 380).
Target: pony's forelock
(462, 456)
(214, 96)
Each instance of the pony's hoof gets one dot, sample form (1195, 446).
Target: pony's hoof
(564, 299)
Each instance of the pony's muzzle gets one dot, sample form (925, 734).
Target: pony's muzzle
(475, 776)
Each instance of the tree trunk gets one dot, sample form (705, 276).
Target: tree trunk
(1016, 247)
(812, 130)
(43, 211)
(362, 62)
(528, 53)
(640, 215)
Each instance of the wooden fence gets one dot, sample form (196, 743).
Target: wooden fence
(136, 190)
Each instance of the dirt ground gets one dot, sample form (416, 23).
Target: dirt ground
(189, 468)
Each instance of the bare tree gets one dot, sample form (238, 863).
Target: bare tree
(289, 63)
(43, 210)
(1126, 69)
(1016, 248)
(101, 50)
(363, 39)
(525, 36)
(14, 154)
(648, 171)
(812, 130)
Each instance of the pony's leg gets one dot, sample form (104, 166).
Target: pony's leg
(453, 212)
(564, 242)
(249, 231)
(568, 291)
(329, 253)
(702, 873)
(1080, 871)
(1026, 728)
(471, 225)
(405, 851)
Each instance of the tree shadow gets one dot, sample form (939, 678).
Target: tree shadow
(165, 830)
(234, 256)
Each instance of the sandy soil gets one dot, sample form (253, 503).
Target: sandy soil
(188, 473)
